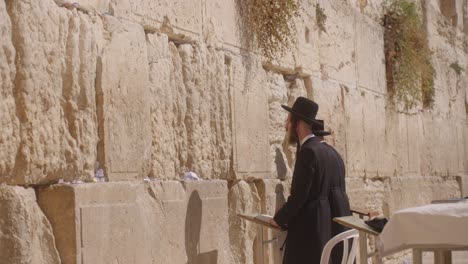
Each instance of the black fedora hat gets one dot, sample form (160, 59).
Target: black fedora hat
(319, 129)
(305, 109)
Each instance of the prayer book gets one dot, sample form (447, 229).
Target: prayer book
(261, 219)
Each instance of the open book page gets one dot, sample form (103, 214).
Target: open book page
(261, 219)
(264, 218)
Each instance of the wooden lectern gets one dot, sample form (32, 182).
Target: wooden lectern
(260, 242)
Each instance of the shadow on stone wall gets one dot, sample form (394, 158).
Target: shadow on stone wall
(280, 165)
(192, 233)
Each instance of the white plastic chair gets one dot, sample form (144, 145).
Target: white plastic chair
(348, 256)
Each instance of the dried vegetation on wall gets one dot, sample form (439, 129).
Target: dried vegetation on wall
(410, 74)
(267, 25)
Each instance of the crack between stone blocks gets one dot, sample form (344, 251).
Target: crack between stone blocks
(99, 100)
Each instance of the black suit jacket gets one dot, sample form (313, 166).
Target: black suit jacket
(317, 195)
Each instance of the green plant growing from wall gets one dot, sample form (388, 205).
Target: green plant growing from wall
(410, 74)
(457, 68)
(268, 25)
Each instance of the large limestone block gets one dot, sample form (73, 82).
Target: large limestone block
(284, 90)
(466, 148)
(449, 49)
(122, 93)
(208, 116)
(250, 118)
(446, 81)
(439, 144)
(404, 192)
(9, 134)
(25, 233)
(281, 156)
(402, 148)
(225, 24)
(387, 165)
(152, 222)
(209, 237)
(462, 144)
(355, 153)
(370, 55)
(243, 198)
(374, 133)
(367, 194)
(371, 8)
(273, 194)
(98, 6)
(167, 146)
(449, 153)
(308, 39)
(415, 130)
(330, 96)
(464, 186)
(190, 110)
(184, 17)
(337, 46)
(55, 97)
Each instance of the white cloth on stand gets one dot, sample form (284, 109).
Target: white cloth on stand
(430, 225)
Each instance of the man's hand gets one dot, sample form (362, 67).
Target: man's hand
(273, 223)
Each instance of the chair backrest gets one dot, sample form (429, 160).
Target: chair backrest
(348, 255)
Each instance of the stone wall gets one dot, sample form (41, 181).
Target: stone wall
(148, 90)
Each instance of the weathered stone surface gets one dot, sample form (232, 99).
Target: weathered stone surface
(464, 186)
(367, 194)
(168, 104)
(370, 65)
(155, 222)
(439, 157)
(338, 58)
(415, 130)
(389, 157)
(122, 95)
(402, 150)
(461, 143)
(222, 15)
(281, 157)
(466, 148)
(54, 93)
(374, 131)
(308, 40)
(175, 17)
(330, 96)
(250, 119)
(208, 241)
(98, 6)
(404, 192)
(355, 153)
(243, 198)
(25, 233)
(190, 95)
(9, 132)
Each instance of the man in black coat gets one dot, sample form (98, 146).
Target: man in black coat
(317, 189)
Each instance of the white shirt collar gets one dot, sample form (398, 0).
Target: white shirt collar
(306, 138)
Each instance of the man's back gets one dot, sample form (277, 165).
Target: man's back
(332, 171)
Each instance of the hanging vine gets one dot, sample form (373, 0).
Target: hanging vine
(268, 25)
(410, 74)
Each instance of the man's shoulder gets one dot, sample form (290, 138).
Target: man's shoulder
(313, 143)
(318, 146)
